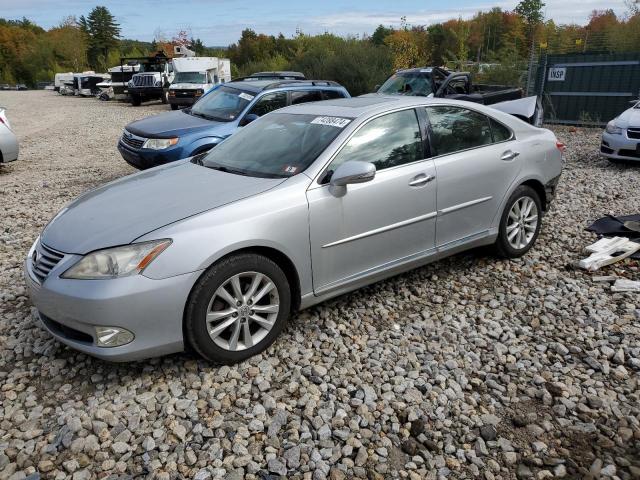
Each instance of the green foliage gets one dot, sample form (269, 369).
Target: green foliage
(503, 39)
(102, 32)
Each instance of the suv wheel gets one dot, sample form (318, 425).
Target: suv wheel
(237, 308)
(520, 223)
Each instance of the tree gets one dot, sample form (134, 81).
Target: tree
(380, 34)
(102, 32)
(530, 11)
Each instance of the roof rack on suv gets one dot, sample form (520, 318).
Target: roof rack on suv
(315, 83)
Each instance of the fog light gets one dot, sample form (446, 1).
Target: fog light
(113, 336)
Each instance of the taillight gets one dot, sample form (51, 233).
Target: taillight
(560, 146)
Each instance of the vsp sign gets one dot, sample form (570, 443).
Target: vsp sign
(557, 74)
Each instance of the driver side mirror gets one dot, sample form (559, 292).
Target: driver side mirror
(248, 118)
(376, 88)
(349, 173)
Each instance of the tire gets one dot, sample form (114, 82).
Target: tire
(508, 244)
(136, 100)
(174, 106)
(205, 301)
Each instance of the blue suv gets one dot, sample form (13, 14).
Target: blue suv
(174, 135)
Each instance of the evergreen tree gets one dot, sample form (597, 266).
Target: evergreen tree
(102, 32)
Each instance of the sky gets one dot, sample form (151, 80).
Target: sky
(220, 22)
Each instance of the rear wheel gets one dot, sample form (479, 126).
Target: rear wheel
(520, 223)
(238, 308)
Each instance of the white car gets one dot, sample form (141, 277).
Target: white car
(8, 140)
(621, 137)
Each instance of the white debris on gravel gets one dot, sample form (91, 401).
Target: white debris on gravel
(469, 367)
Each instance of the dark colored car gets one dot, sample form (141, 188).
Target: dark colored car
(180, 134)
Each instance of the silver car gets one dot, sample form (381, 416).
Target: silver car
(306, 203)
(8, 140)
(621, 137)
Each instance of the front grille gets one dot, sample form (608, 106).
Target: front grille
(184, 93)
(43, 261)
(132, 141)
(629, 153)
(144, 80)
(633, 132)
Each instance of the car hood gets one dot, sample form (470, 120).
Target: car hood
(629, 118)
(120, 212)
(170, 124)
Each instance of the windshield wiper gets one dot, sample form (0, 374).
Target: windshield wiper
(224, 169)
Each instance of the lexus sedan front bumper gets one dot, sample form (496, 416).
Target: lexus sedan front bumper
(151, 310)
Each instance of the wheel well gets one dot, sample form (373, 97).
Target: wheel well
(283, 262)
(539, 189)
(202, 149)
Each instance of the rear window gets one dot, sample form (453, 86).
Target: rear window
(331, 94)
(304, 96)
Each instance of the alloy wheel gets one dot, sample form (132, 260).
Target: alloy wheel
(242, 311)
(522, 222)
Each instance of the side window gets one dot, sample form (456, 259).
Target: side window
(269, 103)
(500, 132)
(388, 141)
(298, 96)
(331, 94)
(454, 129)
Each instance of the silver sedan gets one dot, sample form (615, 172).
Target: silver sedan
(217, 251)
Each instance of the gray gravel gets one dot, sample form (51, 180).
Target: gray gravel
(471, 367)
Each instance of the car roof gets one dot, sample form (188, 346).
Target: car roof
(355, 106)
(369, 105)
(255, 85)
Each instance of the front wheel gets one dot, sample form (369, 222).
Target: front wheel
(237, 308)
(520, 223)
(174, 106)
(136, 100)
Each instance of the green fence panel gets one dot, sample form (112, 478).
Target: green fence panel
(587, 88)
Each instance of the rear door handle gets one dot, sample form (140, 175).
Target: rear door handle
(421, 179)
(509, 155)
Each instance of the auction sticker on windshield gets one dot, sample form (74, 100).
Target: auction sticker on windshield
(331, 121)
(246, 96)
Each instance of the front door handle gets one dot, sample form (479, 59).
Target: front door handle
(421, 179)
(509, 155)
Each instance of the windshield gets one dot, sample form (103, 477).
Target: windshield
(152, 67)
(223, 104)
(277, 145)
(408, 83)
(190, 77)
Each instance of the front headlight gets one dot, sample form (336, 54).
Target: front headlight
(613, 128)
(160, 143)
(117, 262)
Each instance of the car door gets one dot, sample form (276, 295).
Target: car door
(377, 224)
(475, 160)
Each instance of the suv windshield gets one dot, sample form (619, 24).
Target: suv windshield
(190, 77)
(277, 145)
(223, 104)
(408, 83)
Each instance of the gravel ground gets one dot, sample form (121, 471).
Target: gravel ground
(471, 367)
